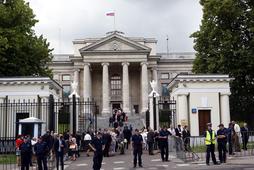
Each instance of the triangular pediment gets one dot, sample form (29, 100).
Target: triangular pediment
(115, 43)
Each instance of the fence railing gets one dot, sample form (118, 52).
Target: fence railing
(194, 148)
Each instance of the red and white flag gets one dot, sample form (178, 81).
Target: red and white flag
(110, 13)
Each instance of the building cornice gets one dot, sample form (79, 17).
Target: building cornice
(200, 78)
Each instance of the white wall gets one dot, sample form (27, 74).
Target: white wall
(203, 101)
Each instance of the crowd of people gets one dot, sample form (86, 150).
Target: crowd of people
(118, 118)
(45, 147)
(107, 142)
(228, 140)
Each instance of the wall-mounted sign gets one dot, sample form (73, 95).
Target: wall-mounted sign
(193, 110)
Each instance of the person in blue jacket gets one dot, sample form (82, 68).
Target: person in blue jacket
(41, 149)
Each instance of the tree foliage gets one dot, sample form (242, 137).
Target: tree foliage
(225, 44)
(22, 53)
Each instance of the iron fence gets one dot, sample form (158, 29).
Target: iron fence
(59, 116)
(194, 148)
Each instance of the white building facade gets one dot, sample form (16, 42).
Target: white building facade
(201, 99)
(24, 97)
(115, 71)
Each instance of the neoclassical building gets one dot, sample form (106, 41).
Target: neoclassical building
(115, 71)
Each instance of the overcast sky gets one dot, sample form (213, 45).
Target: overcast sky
(61, 21)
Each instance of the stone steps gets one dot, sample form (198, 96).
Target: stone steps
(135, 121)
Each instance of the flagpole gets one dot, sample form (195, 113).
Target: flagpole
(114, 21)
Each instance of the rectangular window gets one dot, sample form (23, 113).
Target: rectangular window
(66, 77)
(66, 91)
(164, 76)
(164, 90)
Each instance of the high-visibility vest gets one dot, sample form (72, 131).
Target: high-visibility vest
(210, 140)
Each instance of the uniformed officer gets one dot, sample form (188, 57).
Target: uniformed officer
(26, 150)
(210, 138)
(41, 150)
(137, 141)
(222, 142)
(163, 140)
(96, 145)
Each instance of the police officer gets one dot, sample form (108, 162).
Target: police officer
(210, 138)
(26, 150)
(222, 141)
(137, 141)
(163, 140)
(41, 150)
(96, 145)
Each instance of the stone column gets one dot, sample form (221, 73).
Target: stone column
(76, 78)
(105, 89)
(125, 90)
(224, 105)
(87, 85)
(182, 109)
(144, 87)
(155, 77)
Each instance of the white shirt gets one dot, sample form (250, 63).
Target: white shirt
(87, 137)
(172, 131)
(237, 128)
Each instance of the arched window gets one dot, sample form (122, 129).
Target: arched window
(116, 85)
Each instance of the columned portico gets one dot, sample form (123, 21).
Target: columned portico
(225, 112)
(144, 87)
(125, 91)
(87, 84)
(105, 89)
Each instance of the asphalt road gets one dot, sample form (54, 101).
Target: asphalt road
(124, 162)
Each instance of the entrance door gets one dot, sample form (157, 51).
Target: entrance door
(116, 106)
(18, 117)
(204, 117)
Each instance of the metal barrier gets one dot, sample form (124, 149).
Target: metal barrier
(194, 148)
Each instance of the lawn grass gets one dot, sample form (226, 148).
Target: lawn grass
(202, 148)
(7, 158)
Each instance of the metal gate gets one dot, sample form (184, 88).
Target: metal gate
(167, 111)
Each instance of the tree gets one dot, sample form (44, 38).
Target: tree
(225, 45)
(22, 53)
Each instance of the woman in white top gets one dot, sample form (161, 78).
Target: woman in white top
(87, 140)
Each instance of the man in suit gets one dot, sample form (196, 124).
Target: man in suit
(178, 135)
(245, 135)
(59, 147)
(186, 138)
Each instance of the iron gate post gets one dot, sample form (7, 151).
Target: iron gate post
(74, 114)
(154, 112)
(51, 113)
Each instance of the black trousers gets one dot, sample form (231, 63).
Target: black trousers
(222, 151)
(230, 147)
(97, 161)
(59, 157)
(106, 150)
(150, 148)
(210, 150)
(245, 142)
(164, 150)
(25, 161)
(137, 153)
(42, 159)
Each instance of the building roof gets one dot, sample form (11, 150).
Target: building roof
(29, 80)
(31, 120)
(200, 78)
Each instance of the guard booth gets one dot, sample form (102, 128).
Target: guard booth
(31, 126)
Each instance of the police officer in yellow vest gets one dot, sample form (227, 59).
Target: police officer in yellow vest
(210, 138)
